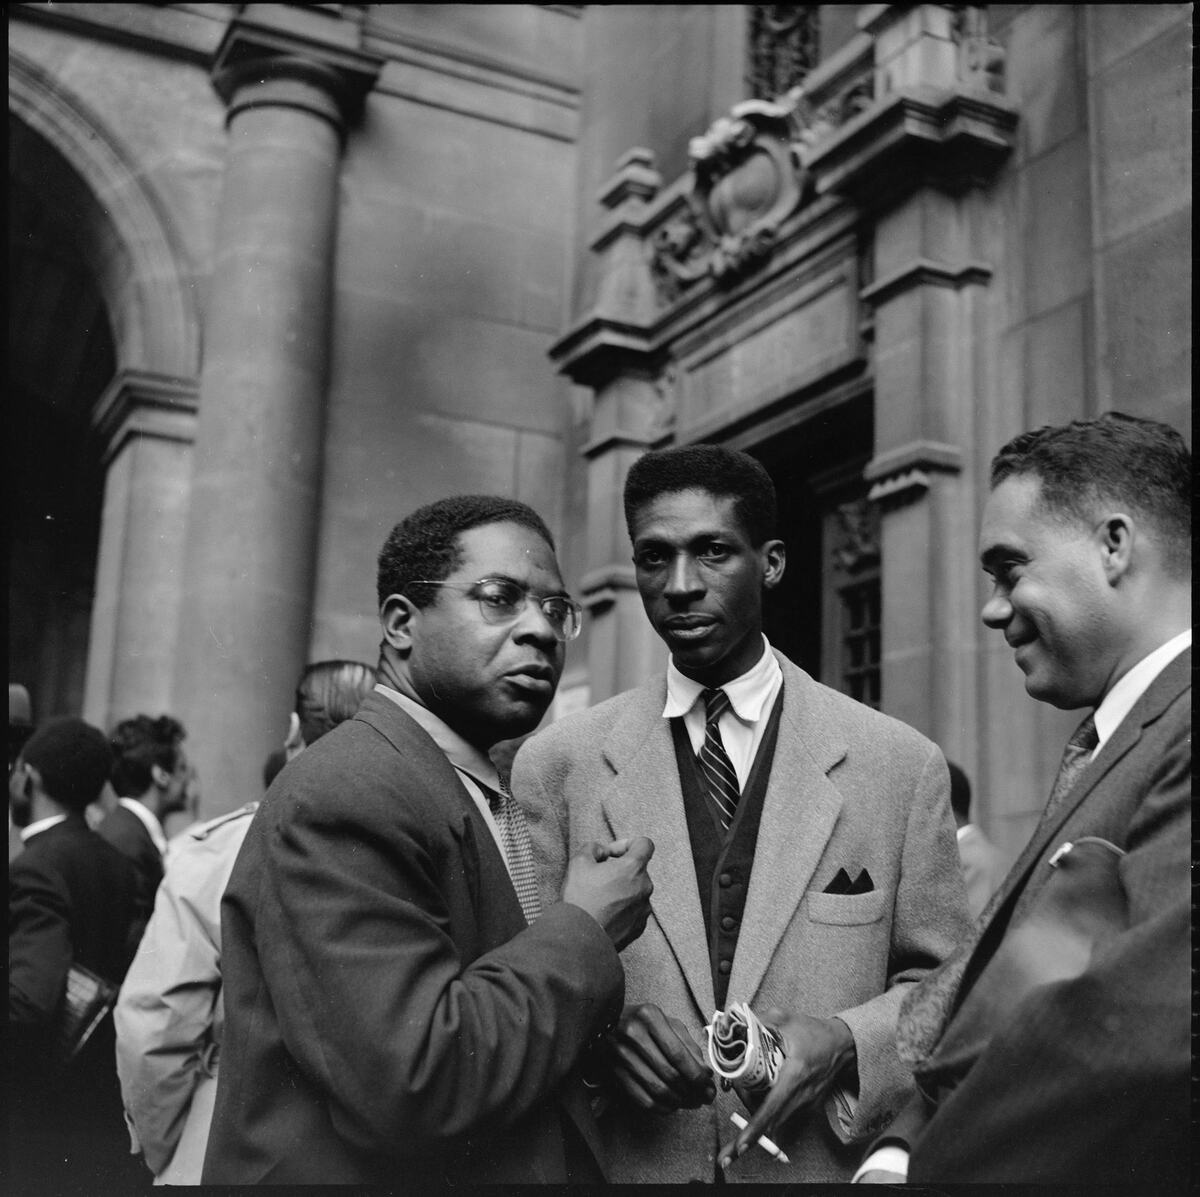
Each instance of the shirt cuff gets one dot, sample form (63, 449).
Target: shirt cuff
(889, 1159)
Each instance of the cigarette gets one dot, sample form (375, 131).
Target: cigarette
(763, 1142)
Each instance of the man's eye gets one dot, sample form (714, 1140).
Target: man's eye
(713, 552)
(649, 559)
(499, 595)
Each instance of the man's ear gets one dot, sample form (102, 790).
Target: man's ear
(1116, 534)
(160, 776)
(396, 615)
(774, 562)
(33, 779)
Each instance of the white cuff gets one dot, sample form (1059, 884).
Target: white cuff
(891, 1158)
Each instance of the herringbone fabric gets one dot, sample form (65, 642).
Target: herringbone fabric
(715, 765)
(518, 851)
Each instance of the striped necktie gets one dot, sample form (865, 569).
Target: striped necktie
(518, 849)
(1075, 757)
(715, 765)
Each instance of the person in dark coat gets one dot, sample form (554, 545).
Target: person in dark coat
(72, 899)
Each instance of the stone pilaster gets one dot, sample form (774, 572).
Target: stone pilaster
(147, 422)
(293, 80)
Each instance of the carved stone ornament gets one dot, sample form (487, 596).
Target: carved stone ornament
(980, 58)
(856, 543)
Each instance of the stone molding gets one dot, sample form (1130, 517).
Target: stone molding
(925, 272)
(602, 587)
(259, 64)
(905, 473)
(140, 403)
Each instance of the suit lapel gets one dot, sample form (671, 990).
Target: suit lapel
(645, 798)
(800, 810)
(1165, 688)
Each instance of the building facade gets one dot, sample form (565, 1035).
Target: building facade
(280, 273)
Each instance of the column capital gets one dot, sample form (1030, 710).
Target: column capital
(141, 403)
(282, 55)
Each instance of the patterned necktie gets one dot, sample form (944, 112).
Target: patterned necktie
(1075, 758)
(715, 765)
(518, 849)
(926, 1008)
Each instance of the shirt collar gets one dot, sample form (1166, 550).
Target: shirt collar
(748, 694)
(458, 752)
(1119, 701)
(149, 822)
(27, 833)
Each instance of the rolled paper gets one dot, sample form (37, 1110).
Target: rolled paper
(743, 1050)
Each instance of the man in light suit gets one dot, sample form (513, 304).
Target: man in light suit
(983, 864)
(1084, 1079)
(398, 1010)
(807, 862)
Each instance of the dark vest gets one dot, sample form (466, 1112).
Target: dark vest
(723, 859)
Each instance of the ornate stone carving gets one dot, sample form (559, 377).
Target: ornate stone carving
(856, 546)
(980, 58)
(783, 46)
(680, 254)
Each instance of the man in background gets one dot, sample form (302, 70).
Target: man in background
(983, 864)
(1085, 1079)
(72, 901)
(170, 1015)
(151, 776)
(399, 1009)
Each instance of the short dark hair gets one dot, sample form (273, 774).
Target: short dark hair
(73, 759)
(140, 743)
(425, 544)
(1142, 465)
(330, 692)
(960, 791)
(726, 473)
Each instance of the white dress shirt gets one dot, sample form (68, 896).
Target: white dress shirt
(475, 769)
(149, 820)
(1113, 708)
(27, 833)
(751, 698)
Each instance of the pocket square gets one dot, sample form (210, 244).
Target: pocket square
(841, 883)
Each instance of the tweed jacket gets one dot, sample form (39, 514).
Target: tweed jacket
(1088, 1082)
(389, 1017)
(849, 788)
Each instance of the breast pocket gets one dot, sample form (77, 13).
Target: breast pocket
(847, 910)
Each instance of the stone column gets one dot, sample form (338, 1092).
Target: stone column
(610, 352)
(256, 485)
(148, 422)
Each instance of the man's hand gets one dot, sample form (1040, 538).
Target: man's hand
(881, 1176)
(656, 1063)
(610, 882)
(817, 1050)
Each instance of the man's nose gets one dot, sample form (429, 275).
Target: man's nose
(683, 579)
(534, 624)
(997, 611)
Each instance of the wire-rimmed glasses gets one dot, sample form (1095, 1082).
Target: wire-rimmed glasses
(501, 600)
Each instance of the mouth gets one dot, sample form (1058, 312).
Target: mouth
(688, 628)
(536, 678)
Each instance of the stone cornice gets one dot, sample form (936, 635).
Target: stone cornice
(141, 403)
(903, 474)
(598, 348)
(925, 272)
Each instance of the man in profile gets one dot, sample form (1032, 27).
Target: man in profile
(1083, 1077)
(72, 904)
(399, 1007)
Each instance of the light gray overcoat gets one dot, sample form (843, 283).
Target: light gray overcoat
(850, 788)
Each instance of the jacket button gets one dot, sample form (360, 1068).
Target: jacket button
(725, 968)
(728, 923)
(725, 881)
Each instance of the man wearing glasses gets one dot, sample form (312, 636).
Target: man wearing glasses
(398, 1005)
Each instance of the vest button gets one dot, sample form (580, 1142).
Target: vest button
(725, 881)
(728, 923)
(725, 968)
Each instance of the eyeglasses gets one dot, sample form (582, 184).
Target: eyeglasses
(501, 601)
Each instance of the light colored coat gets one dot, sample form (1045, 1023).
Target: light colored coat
(849, 788)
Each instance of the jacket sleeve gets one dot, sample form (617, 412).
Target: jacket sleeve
(929, 920)
(167, 1014)
(358, 932)
(39, 947)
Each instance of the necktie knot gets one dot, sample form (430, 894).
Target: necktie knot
(1085, 737)
(716, 703)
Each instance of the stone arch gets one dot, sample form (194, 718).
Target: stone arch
(137, 260)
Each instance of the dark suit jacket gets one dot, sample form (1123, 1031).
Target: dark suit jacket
(128, 834)
(71, 898)
(1087, 1082)
(388, 1015)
